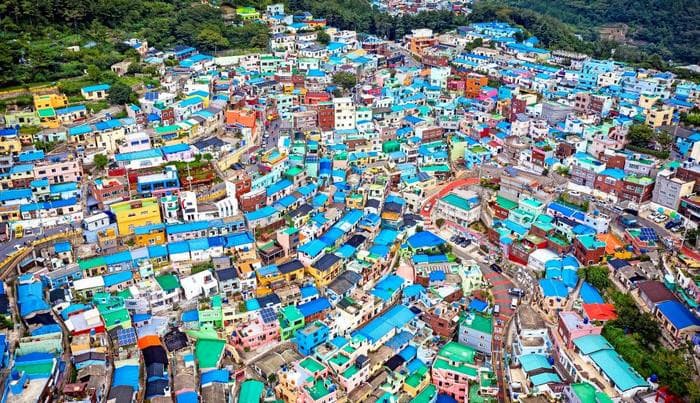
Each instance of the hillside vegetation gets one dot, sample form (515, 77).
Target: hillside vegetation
(667, 28)
(36, 34)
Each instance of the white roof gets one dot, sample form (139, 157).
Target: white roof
(88, 283)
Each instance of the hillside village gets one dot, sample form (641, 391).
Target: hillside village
(464, 216)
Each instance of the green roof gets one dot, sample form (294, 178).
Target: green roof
(532, 202)
(92, 263)
(291, 313)
(33, 368)
(454, 351)
(479, 323)
(456, 201)
(311, 365)
(435, 168)
(339, 359)
(426, 395)
(168, 282)
(544, 378)
(506, 203)
(294, 171)
(116, 317)
(319, 389)
(618, 370)
(208, 352)
(251, 391)
(532, 362)
(352, 370)
(586, 393)
(475, 397)
(639, 180)
(46, 113)
(591, 242)
(591, 343)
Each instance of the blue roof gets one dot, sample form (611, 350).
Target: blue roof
(215, 375)
(313, 247)
(678, 314)
(190, 316)
(478, 305)
(436, 275)
(126, 375)
(590, 294)
(314, 306)
(553, 288)
(308, 291)
(260, 213)
(417, 259)
(425, 239)
(386, 237)
(387, 287)
(394, 318)
(278, 187)
(61, 247)
(14, 194)
(399, 340)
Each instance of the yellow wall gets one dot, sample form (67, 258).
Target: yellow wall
(129, 217)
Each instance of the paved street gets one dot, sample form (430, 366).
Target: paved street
(10, 246)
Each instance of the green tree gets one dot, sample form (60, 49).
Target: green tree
(120, 94)
(211, 39)
(440, 222)
(100, 161)
(598, 277)
(640, 135)
(322, 37)
(344, 79)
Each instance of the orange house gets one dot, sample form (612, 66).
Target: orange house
(473, 84)
(245, 117)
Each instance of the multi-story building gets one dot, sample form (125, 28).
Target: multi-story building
(453, 368)
(670, 189)
(59, 169)
(261, 329)
(344, 113)
(311, 336)
(476, 331)
(135, 213)
(459, 208)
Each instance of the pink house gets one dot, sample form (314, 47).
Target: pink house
(454, 367)
(255, 333)
(572, 326)
(59, 169)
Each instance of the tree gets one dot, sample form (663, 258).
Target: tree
(322, 37)
(664, 139)
(640, 135)
(119, 94)
(344, 79)
(440, 222)
(100, 161)
(598, 277)
(211, 39)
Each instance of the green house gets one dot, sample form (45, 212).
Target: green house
(291, 320)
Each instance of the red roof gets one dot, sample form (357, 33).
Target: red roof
(601, 312)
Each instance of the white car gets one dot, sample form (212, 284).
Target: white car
(660, 218)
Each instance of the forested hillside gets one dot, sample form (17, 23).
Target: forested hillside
(35, 34)
(668, 28)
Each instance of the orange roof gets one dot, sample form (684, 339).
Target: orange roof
(601, 312)
(148, 341)
(612, 243)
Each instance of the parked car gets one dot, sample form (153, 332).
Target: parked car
(660, 218)
(516, 292)
(496, 268)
